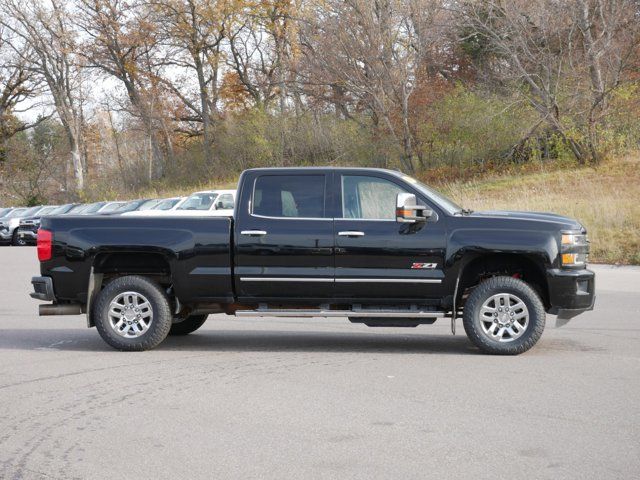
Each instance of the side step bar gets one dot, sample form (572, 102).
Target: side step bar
(264, 312)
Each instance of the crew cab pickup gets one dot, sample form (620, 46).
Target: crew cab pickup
(372, 245)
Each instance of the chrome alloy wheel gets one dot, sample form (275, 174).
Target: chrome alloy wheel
(130, 314)
(504, 317)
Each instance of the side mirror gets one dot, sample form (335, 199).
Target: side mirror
(408, 210)
(219, 206)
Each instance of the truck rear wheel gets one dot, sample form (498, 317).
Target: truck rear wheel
(188, 325)
(504, 316)
(132, 313)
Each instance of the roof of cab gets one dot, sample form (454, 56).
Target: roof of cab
(303, 169)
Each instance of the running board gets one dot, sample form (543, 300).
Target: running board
(263, 312)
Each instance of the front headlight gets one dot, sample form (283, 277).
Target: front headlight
(574, 239)
(574, 249)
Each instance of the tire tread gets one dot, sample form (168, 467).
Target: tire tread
(187, 326)
(162, 316)
(537, 315)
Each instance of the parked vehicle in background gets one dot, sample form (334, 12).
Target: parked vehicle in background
(168, 204)
(372, 245)
(109, 208)
(9, 224)
(13, 211)
(29, 223)
(209, 203)
(90, 208)
(77, 209)
(28, 228)
(163, 205)
(147, 205)
(133, 205)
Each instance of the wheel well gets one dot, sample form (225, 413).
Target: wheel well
(517, 266)
(126, 263)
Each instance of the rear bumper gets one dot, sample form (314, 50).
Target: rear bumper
(42, 289)
(571, 292)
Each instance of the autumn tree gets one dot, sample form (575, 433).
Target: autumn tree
(192, 32)
(371, 51)
(122, 42)
(262, 43)
(605, 44)
(556, 55)
(45, 40)
(18, 83)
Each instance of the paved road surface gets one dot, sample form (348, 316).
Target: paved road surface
(267, 398)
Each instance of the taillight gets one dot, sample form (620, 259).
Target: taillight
(45, 243)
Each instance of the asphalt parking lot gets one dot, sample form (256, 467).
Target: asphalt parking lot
(320, 398)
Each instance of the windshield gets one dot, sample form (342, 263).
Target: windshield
(129, 207)
(61, 209)
(77, 209)
(199, 201)
(30, 212)
(166, 204)
(442, 201)
(110, 207)
(47, 210)
(4, 211)
(148, 205)
(17, 212)
(92, 208)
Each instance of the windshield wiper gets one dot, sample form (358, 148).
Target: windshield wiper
(464, 211)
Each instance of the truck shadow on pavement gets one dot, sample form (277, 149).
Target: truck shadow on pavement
(247, 340)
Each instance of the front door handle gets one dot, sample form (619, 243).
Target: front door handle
(253, 233)
(351, 233)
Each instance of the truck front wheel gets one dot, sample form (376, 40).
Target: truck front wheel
(504, 316)
(132, 313)
(17, 240)
(188, 325)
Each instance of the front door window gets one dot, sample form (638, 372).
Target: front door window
(369, 198)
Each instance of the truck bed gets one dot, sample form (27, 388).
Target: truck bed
(196, 250)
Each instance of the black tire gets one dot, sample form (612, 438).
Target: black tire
(16, 241)
(473, 322)
(161, 317)
(188, 325)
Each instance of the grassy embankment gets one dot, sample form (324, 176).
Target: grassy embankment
(605, 199)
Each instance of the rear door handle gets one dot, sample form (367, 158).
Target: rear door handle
(351, 233)
(253, 233)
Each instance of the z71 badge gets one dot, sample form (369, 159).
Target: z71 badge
(429, 266)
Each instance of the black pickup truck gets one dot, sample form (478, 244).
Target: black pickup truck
(375, 246)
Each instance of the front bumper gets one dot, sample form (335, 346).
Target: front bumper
(42, 289)
(571, 292)
(6, 235)
(28, 235)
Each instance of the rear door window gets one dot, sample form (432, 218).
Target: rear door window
(289, 196)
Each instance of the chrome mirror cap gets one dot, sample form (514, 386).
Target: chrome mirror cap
(408, 210)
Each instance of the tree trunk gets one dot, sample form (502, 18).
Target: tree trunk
(407, 137)
(205, 110)
(76, 158)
